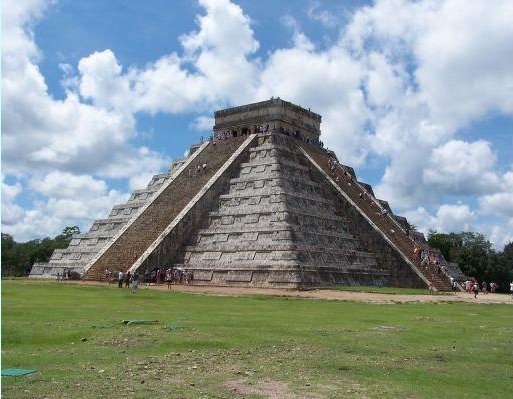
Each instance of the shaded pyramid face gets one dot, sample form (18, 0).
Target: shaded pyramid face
(279, 224)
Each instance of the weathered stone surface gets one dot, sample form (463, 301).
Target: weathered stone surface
(83, 247)
(278, 225)
(270, 210)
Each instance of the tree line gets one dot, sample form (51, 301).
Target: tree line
(18, 258)
(476, 256)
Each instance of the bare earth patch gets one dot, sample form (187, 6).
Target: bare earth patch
(269, 389)
(342, 295)
(322, 294)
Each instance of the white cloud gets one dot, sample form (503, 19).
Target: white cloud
(68, 134)
(49, 141)
(400, 83)
(448, 218)
(11, 212)
(101, 81)
(325, 17)
(70, 200)
(433, 67)
(66, 185)
(203, 123)
(462, 168)
(217, 55)
(499, 203)
(464, 56)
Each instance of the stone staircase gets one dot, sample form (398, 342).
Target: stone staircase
(85, 246)
(371, 207)
(153, 218)
(277, 226)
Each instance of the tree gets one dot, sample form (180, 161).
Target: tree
(17, 258)
(67, 234)
(476, 256)
(448, 244)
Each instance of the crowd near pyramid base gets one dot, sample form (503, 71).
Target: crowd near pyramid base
(262, 203)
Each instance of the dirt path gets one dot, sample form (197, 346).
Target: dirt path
(327, 294)
(344, 295)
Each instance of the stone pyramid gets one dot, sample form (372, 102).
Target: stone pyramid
(261, 204)
(277, 224)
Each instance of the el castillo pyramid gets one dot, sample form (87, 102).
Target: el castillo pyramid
(262, 204)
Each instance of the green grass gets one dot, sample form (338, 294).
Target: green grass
(228, 347)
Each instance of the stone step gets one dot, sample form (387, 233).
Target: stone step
(261, 247)
(273, 191)
(390, 229)
(277, 210)
(142, 231)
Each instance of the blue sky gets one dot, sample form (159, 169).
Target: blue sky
(98, 96)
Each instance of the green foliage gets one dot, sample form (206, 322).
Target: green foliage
(476, 256)
(18, 258)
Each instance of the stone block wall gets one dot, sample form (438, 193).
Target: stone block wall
(85, 246)
(135, 238)
(276, 227)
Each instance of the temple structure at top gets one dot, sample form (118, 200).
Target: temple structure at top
(262, 204)
(274, 115)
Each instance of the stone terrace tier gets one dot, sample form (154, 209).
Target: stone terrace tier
(388, 226)
(134, 239)
(278, 226)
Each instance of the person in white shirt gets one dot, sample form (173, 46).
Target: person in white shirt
(120, 279)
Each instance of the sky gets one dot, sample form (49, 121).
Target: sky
(417, 96)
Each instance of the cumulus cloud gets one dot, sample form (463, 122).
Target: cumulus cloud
(400, 82)
(448, 218)
(462, 168)
(69, 134)
(203, 123)
(65, 200)
(499, 203)
(325, 17)
(53, 141)
(101, 81)
(11, 212)
(431, 70)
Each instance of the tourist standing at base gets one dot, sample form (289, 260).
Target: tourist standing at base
(511, 289)
(475, 288)
(128, 279)
(120, 279)
(484, 287)
(169, 278)
(134, 282)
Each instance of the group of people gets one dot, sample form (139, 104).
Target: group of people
(334, 166)
(156, 276)
(65, 275)
(169, 276)
(127, 279)
(224, 135)
(431, 261)
(201, 168)
(474, 287)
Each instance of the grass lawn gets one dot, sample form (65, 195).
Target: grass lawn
(252, 347)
